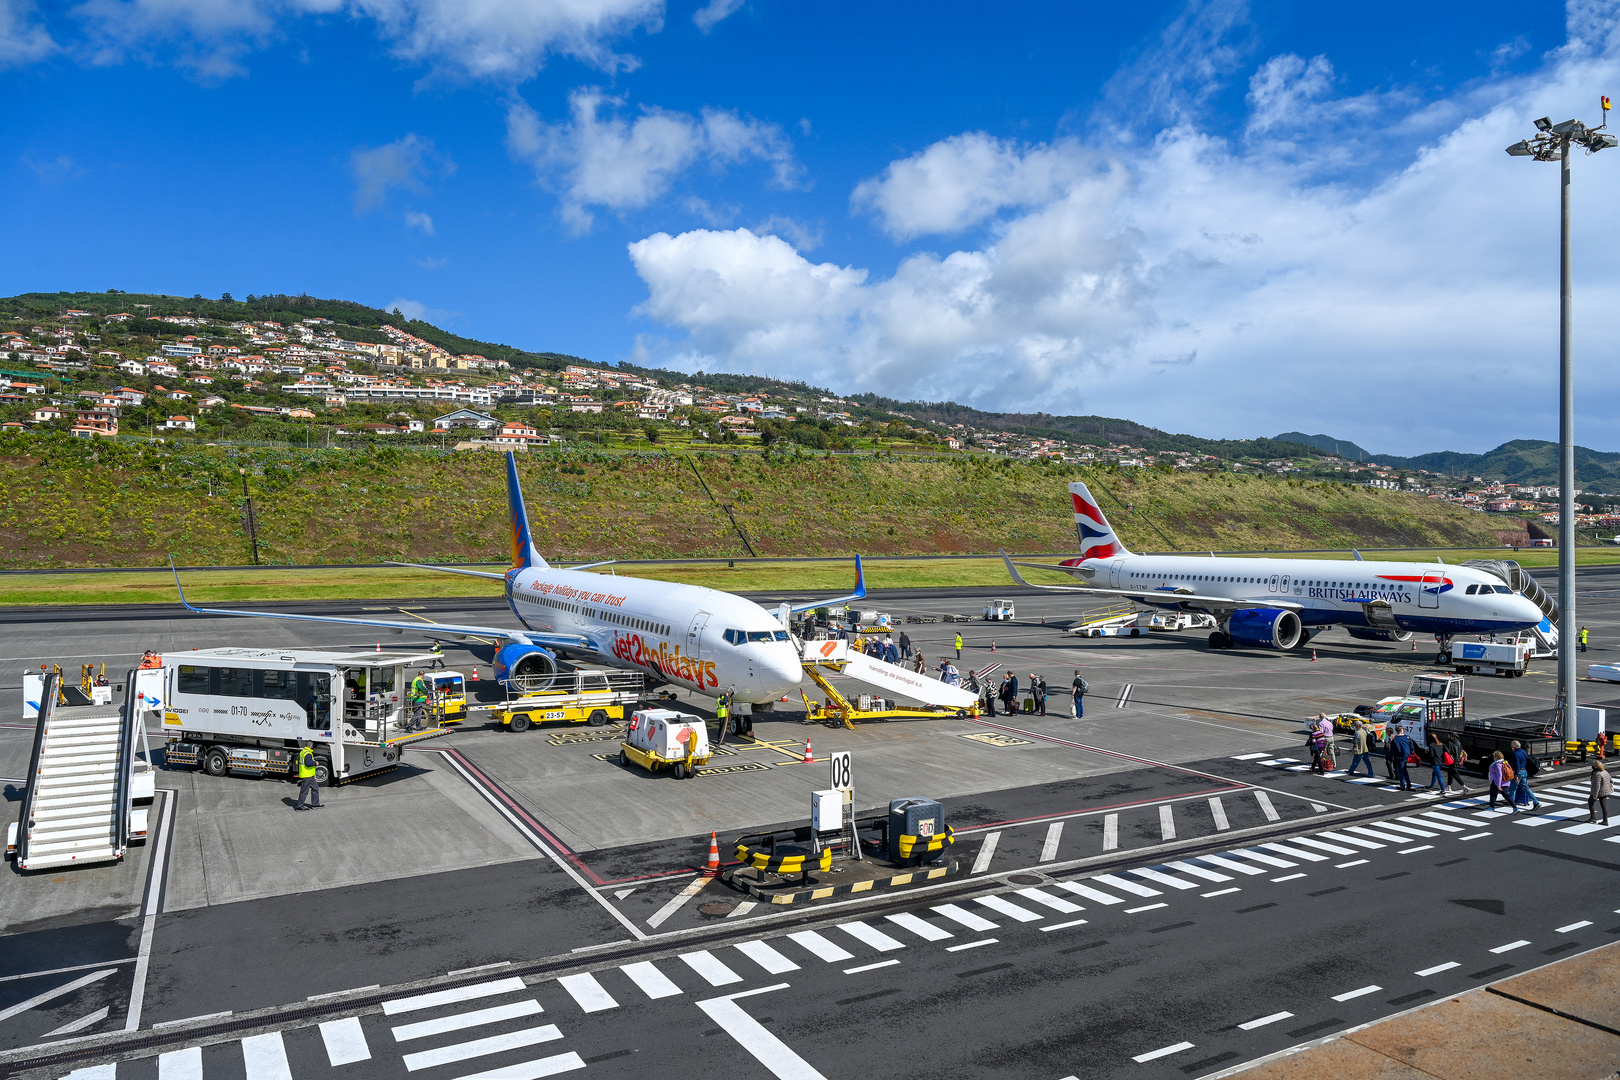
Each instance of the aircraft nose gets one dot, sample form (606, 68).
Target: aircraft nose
(1528, 611)
(779, 670)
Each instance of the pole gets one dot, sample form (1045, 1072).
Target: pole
(1567, 626)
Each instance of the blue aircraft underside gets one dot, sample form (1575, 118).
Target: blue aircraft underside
(1407, 620)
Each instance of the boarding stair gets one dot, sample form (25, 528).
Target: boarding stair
(1545, 636)
(77, 806)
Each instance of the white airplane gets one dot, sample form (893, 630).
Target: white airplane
(1283, 603)
(705, 640)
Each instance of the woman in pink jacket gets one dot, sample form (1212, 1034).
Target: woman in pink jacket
(1500, 775)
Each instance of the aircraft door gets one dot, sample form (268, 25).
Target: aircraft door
(694, 634)
(1271, 583)
(1113, 575)
(1429, 590)
(1282, 584)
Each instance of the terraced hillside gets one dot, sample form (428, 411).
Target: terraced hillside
(72, 503)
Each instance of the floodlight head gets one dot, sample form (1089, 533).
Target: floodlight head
(1569, 127)
(1521, 149)
(1596, 142)
(1544, 124)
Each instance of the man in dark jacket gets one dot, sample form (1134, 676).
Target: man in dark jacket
(1009, 693)
(905, 645)
(1519, 758)
(1400, 748)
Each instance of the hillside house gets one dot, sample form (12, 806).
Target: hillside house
(46, 415)
(93, 422)
(179, 423)
(466, 418)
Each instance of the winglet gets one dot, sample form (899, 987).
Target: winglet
(177, 587)
(1011, 569)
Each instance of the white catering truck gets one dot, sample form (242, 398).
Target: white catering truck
(245, 710)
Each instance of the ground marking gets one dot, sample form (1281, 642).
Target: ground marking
(154, 890)
(1475, 836)
(1415, 850)
(1167, 823)
(1011, 910)
(449, 997)
(1049, 850)
(55, 992)
(345, 1041)
(462, 1021)
(1163, 878)
(971, 945)
(481, 967)
(755, 1038)
(870, 967)
(1348, 865)
(1145, 907)
(532, 1070)
(1089, 893)
(181, 1064)
(191, 1019)
(680, 898)
(342, 993)
(965, 917)
(986, 853)
(1063, 925)
(652, 982)
(1265, 806)
(1363, 992)
(1287, 877)
(820, 947)
(766, 957)
(742, 909)
(1220, 892)
(494, 1044)
(1573, 926)
(1219, 812)
(1163, 1051)
(713, 971)
(1510, 946)
(264, 1057)
(1056, 903)
(870, 935)
(1124, 695)
(921, 927)
(1110, 832)
(1249, 757)
(1115, 882)
(1438, 968)
(81, 1023)
(587, 992)
(1264, 1020)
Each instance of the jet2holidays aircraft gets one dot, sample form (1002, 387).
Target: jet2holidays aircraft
(701, 639)
(1283, 603)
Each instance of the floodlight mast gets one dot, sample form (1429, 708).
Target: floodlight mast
(1553, 142)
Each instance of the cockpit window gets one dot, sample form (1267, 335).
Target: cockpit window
(735, 637)
(759, 635)
(1472, 589)
(781, 635)
(1503, 589)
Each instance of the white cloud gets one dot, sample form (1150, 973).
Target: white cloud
(1405, 298)
(407, 164)
(803, 237)
(503, 40)
(416, 220)
(599, 158)
(22, 39)
(416, 310)
(710, 15)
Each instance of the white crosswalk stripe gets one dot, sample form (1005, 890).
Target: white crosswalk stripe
(264, 1057)
(1293, 852)
(870, 935)
(345, 1041)
(1007, 908)
(461, 1021)
(1320, 845)
(587, 992)
(1158, 877)
(820, 947)
(1363, 830)
(1222, 862)
(1427, 821)
(1132, 887)
(450, 997)
(1096, 895)
(1423, 834)
(1353, 841)
(532, 1070)
(965, 917)
(709, 966)
(1198, 871)
(650, 981)
(921, 927)
(1260, 857)
(493, 1044)
(766, 957)
(181, 1064)
(1056, 903)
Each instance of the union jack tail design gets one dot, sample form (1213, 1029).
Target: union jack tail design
(1097, 537)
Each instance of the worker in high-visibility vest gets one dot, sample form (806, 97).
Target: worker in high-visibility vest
(306, 779)
(438, 655)
(722, 712)
(959, 646)
(1581, 637)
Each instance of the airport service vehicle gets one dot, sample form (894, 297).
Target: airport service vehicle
(1283, 603)
(666, 739)
(246, 710)
(1435, 702)
(998, 611)
(449, 696)
(1491, 657)
(589, 695)
(698, 639)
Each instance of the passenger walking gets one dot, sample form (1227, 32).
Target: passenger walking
(1009, 693)
(1598, 796)
(1330, 754)
(1581, 637)
(306, 779)
(1361, 734)
(1317, 746)
(1521, 778)
(905, 645)
(1458, 758)
(1038, 691)
(989, 698)
(1438, 759)
(1500, 776)
(1400, 748)
(1389, 752)
(1079, 693)
(919, 665)
(959, 646)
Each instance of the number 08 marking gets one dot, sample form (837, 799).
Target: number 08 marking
(840, 768)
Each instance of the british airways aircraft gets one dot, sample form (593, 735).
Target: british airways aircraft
(1283, 603)
(701, 639)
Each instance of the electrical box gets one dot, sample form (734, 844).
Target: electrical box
(1588, 722)
(915, 816)
(827, 810)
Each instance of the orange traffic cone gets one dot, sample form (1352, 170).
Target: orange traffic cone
(809, 755)
(992, 646)
(474, 677)
(379, 646)
(1313, 656)
(1414, 644)
(712, 869)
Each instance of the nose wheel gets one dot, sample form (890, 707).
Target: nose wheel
(1220, 639)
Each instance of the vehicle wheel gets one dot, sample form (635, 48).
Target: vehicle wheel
(679, 770)
(1442, 657)
(624, 759)
(1220, 640)
(323, 773)
(215, 763)
(520, 722)
(598, 718)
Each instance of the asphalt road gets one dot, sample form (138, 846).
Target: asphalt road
(1186, 947)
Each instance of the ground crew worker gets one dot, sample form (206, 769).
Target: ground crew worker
(306, 779)
(438, 655)
(151, 659)
(722, 713)
(959, 646)
(1581, 637)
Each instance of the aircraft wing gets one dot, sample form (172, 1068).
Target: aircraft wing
(428, 629)
(858, 594)
(1156, 597)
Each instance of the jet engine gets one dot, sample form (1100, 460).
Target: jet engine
(526, 669)
(1265, 628)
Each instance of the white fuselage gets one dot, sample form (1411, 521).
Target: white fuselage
(1423, 597)
(703, 639)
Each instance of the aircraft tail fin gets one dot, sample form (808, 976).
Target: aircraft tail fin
(1097, 538)
(523, 549)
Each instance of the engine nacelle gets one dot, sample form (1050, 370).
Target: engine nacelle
(1363, 634)
(1265, 628)
(527, 669)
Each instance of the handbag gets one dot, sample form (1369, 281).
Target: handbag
(1448, 759)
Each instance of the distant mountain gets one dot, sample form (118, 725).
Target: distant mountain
(1522, 461)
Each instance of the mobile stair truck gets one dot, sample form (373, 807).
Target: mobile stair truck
(83, 782)
(245, 710)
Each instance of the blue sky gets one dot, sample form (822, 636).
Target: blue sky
(1222, 218)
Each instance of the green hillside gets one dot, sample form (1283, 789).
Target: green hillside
(67, 502)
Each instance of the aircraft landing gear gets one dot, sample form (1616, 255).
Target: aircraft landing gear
(1220, 639)
(1443, 657)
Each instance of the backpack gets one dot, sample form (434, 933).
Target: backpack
(1507, 773)
(1085, 687)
